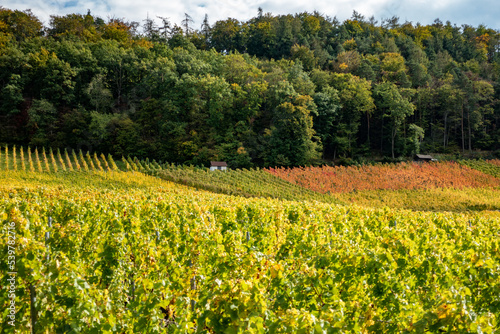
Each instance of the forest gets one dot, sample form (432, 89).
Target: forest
(276, 90)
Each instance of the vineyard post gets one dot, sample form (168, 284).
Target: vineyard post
(33, 313)
(14, 158)
(157, 237)
(6, 157)
(132, 258)
(330, 230)
(193, 287)
(248, 236)
(47, 237)
(132, 286)
(23, 163)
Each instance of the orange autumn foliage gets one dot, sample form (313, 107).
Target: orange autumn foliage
(411, 175)
(495, 162)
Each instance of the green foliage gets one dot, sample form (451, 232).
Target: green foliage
(328, 115)
(99, 95)
(11, 95)
(43, 116)
(305, 56)
(240, 182)
(292, 137)
(417, 135)
(190, 96)
(133, 254)
(483, 166)
(395, 106)
(21, 25)
(356, 101)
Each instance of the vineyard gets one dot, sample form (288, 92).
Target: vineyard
(392, 176)
(33, 160)
(491, 167)
(468, 185)
(247, 183)
(117, 251)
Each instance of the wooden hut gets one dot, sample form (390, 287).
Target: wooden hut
(218, 165)
(424, 157)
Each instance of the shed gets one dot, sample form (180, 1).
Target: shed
(218, 165)
(423, 157)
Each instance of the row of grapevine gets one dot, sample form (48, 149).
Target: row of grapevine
(144, 166)
(495, 162)
(462, 191)
(340, 179)
(441, 187)
(166, 258)
(247, 183)
(32, 160)
(491, 167)
(341, 186)
(240, 182)
(485, 200)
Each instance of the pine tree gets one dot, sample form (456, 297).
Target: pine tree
(205, 29)
(185, 23)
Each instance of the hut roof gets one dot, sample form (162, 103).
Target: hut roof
(218, 164)
(424, 157)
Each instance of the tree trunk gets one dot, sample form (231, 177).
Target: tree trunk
(368, 130)
(463, 135)
(444, 131)
(393, 138)
(382, 137)
(470, 137)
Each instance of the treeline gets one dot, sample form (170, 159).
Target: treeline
(275, 90)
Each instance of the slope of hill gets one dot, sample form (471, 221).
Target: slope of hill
(391, 176)
(247, 183)
(126, 252)
(435, 187)
(274, 90)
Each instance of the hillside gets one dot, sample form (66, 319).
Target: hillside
(276, 90)
(458, 187)
(100, 246)
(125, 252)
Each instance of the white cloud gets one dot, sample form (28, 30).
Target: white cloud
(424, 11)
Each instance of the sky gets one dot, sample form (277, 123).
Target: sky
(458, 12)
